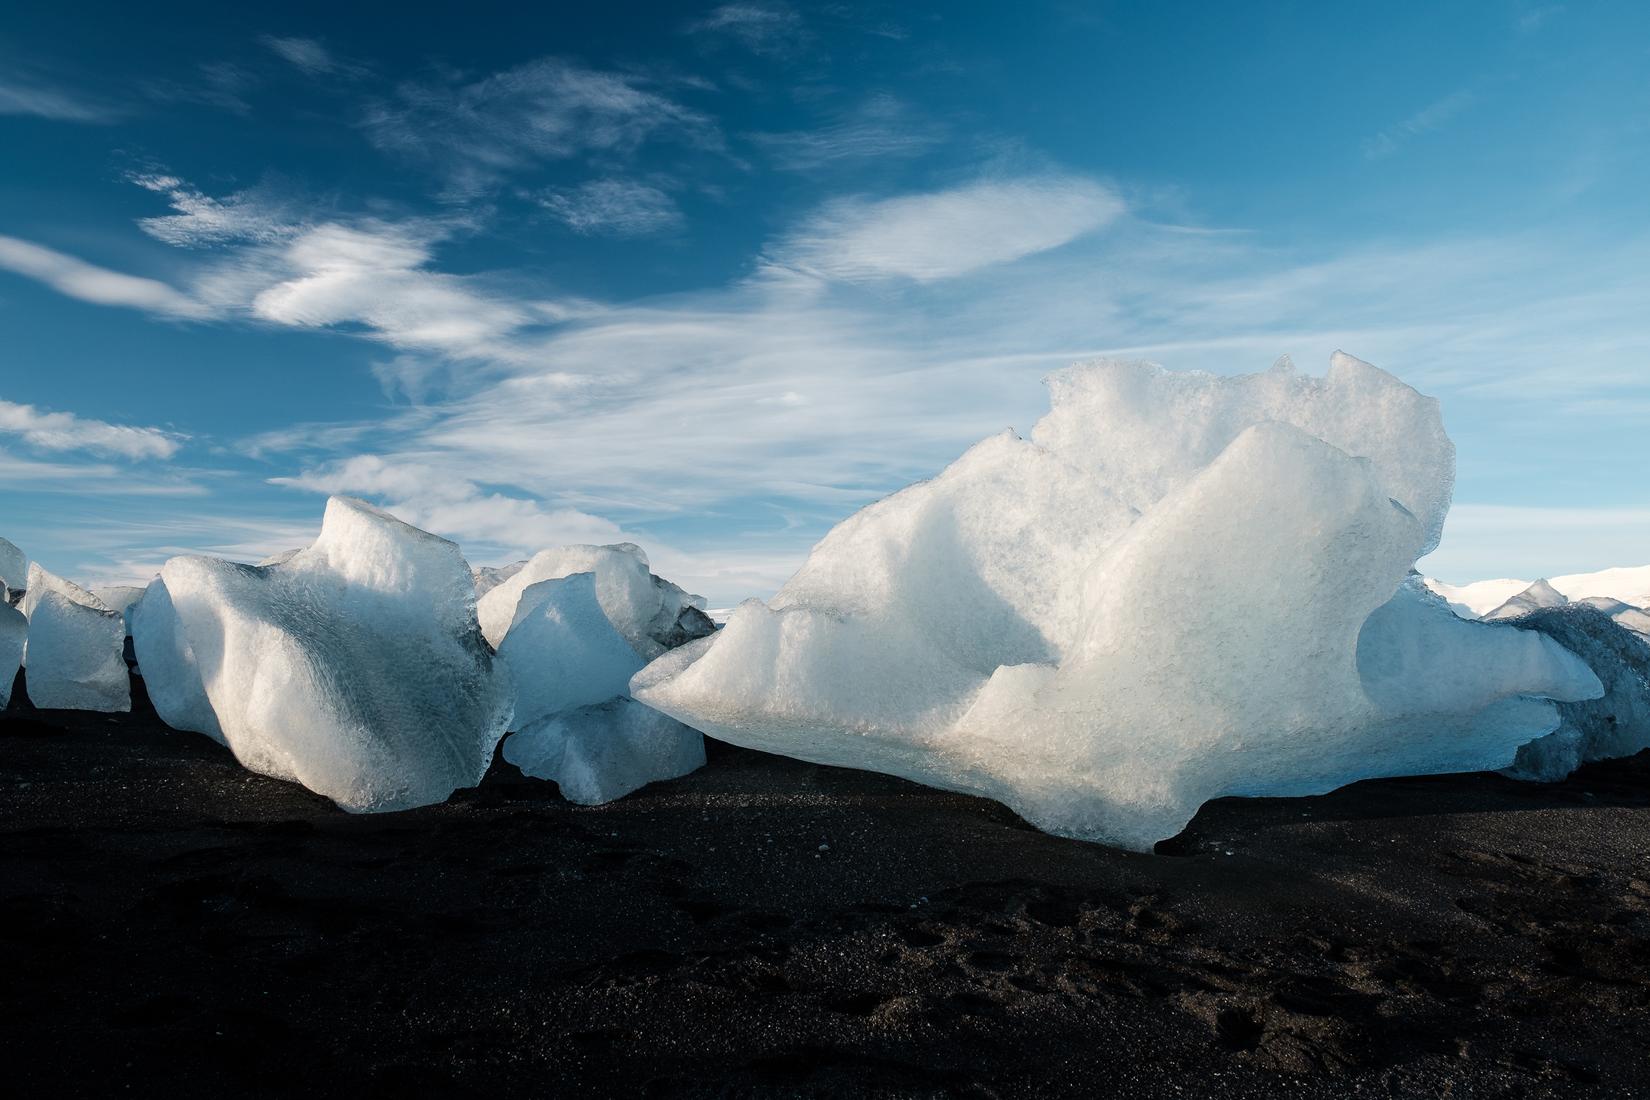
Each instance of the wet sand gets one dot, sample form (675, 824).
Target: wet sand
(173, 925)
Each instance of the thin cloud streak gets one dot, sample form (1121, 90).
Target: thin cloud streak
(944, 234)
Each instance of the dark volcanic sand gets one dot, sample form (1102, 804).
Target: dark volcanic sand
(173, 925)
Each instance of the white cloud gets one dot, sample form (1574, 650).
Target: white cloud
(946, 233)
(375, 274)
(612, 207)
(60, 431)
(544, 110)
(90, 283)
(1426, 120)
(201, 220)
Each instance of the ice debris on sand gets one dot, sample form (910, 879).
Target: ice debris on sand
(75, 650)
(576, 724)
(355, 667)
(1017, 627)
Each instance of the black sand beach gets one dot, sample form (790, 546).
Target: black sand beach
(173, 925)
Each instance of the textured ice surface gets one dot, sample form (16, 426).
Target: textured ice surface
(1618, 724)
(1624, 615)
(14, 567)
(14, 632)
(571, 666)
(167, 664)
(489, 577)
(120, 597)
(75, 647)
(1155, 600)
(562, 651)
(355, 667)
(1534, 598)
(651, 613)
(598, 753)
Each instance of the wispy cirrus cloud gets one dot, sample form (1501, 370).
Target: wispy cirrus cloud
(763, 28)
(20, 95)
(310, 56)
(612, 207)
(1429, 118)
(476, 132)
(768, 408)
(880, 128)
(221, 85)
(63, 431)
(944, 234)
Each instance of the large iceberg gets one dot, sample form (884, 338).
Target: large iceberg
(75, 651)
(1181, 586)
(355, 667)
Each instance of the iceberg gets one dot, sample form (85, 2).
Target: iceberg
(167, 664)
(75, 651)
(120, 597)
(598, 753)
(1614, 725)
(651, 613)
(355, 667)
(577, 726)
(562, 651)
(1181, 586)
(489, 577)
(14, 567)
(1624, 615)
(14, 634)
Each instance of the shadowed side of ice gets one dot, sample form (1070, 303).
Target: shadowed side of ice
(1181, 586)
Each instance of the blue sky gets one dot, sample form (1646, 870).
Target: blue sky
(710, 278)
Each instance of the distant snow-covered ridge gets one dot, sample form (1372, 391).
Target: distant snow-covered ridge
(1626, 584)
